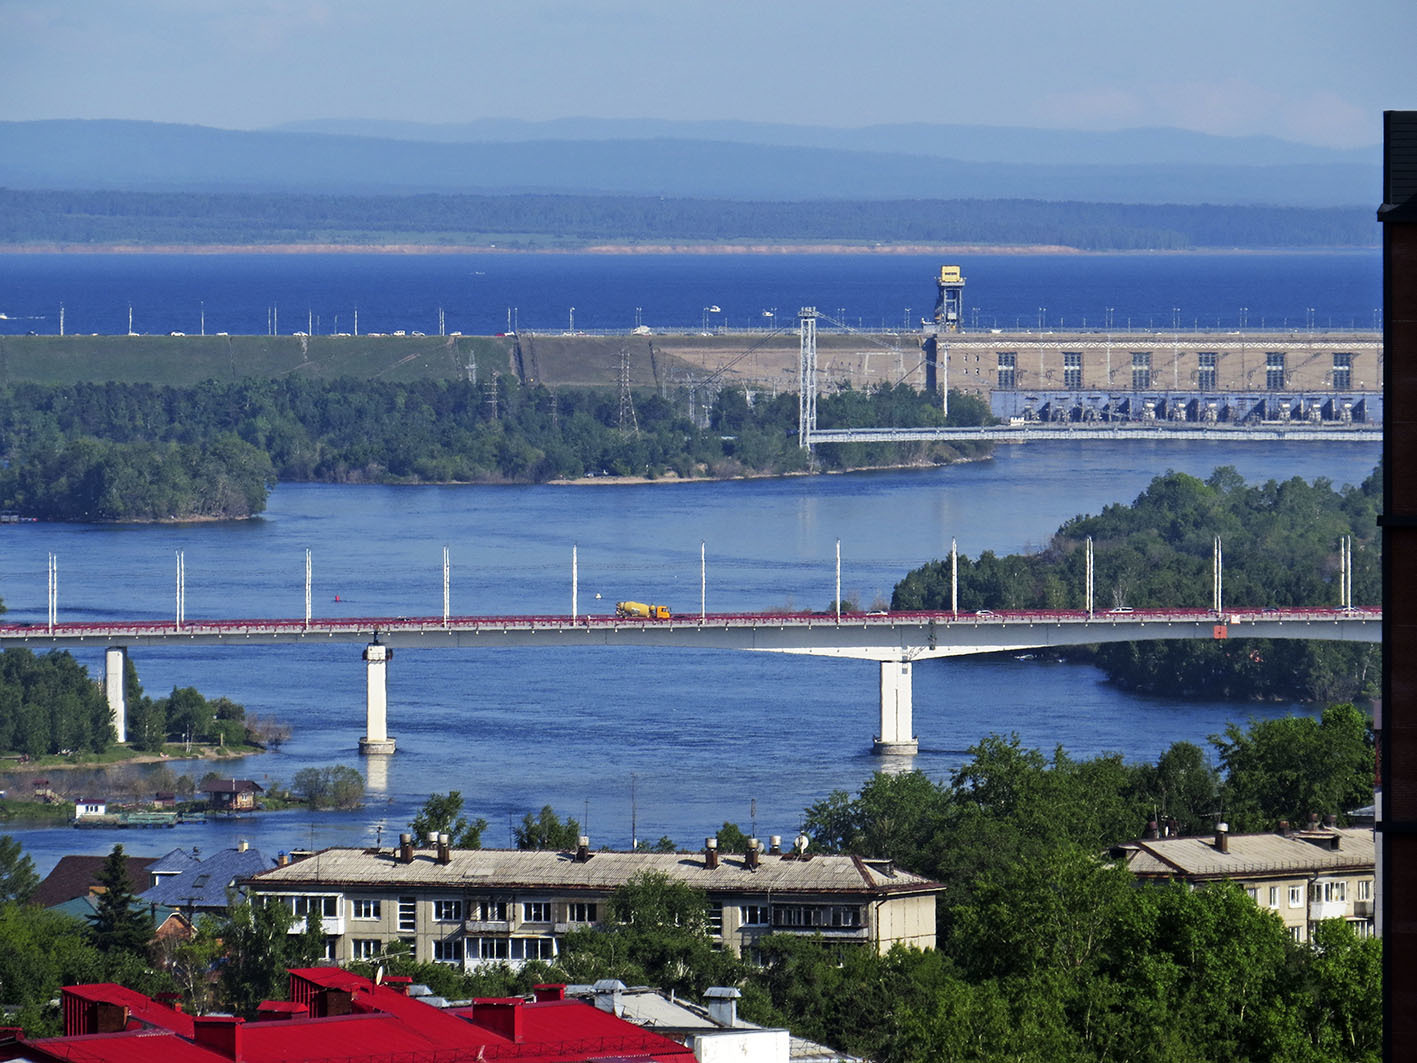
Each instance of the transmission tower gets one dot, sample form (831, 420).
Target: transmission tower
(490, 396)
(628, 422)
(807, 378)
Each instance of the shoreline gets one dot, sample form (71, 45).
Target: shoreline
(745, 248)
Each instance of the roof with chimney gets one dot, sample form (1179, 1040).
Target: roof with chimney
(593, 872)
(1326, 850)
(231, 786)
(343, 1017)
(201, 884)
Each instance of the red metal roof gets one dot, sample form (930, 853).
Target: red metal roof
(384, 1024)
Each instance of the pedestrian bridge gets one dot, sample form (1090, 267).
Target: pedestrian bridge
(893, 639)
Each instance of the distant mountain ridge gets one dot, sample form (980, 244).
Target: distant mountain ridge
(117, 155)
(965, 143)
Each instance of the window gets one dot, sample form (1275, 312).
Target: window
(1365, 889)
(1205, 371)
(1342, 372)
(492, 911)
(1296, 896)
(536, 912)
(331, 949)
(1331, 891)
(1274, 896)
(365, 948)
(447, 911)
(1274, 370)
(491, 948)
(753, 915)
(448, 951)
(543, 948)
(408, 913)
(1253, 892)
(1072, 369)
(1362, 928)
(581, 912)
(1141, 370)
(1297, 933)
(328, 907)
(1008, 362)
(821, 916)
(715, 919)
(366, 909)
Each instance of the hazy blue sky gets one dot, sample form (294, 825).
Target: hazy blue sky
(1319, 71)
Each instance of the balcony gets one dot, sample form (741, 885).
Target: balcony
(485, 926)
(1320, 910)
(1363, 909)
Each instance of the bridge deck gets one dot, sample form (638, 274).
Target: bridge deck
(875, 636)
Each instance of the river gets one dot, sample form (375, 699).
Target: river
(698, 737)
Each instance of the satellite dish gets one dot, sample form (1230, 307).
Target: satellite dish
(379, 975)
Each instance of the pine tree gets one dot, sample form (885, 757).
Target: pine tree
(118, 923)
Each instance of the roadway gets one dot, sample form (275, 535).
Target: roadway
(898, 636)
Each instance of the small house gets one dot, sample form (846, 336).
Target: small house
(232, 795)
(90, 806)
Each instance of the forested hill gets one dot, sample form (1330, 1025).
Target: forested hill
(1280, 542)
(105, 218)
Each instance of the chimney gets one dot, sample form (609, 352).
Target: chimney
(220, 1034)
(607, 995)
(282, 858)
(1313, 821)
(723, 1005)
(754, 853)
(169, 999)
(399, 983)
(582, 849)
(444, 849)
(546, 991)
(1331, 821)
(242, 845)
(775, 845)
(1152, 830)
(405, 848)
(711, 853)
(1284, 827)
(501, 1015)
(1222, 837)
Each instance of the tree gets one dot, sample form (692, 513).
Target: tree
(442, 814)
(17, 875)
(118, 923)
(1294, 766)
(339, 786)
(546, 831)
(259, 950)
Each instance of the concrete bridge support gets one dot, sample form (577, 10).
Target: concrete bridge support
(897, 728)
(376, 713)
(115, 667)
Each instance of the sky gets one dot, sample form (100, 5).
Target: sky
(1315, 72)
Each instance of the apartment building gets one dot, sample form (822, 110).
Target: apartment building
(466, 907)
(1303, 876)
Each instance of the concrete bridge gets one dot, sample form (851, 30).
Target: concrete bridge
(893, 640)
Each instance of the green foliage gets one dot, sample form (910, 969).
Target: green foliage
(1292, 767)
(655, 932)
(339, 786)
(264, 219)
(258, 950)
(1280, 543)
(48, 703)
(442, 814)
(143, 451)
(17, 875)
(119, 923)
(546, 831)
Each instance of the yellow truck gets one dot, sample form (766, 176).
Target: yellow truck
(642, 610)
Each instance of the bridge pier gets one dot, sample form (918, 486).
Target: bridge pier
(897, 735)
(115, 662)
(376, 704)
